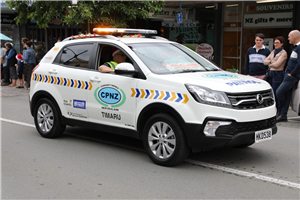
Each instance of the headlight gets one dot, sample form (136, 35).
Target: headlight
(208, 96)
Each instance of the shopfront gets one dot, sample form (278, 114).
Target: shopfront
(9, 27)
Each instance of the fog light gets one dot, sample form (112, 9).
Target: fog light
(211, 127)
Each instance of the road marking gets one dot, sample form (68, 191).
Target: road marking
(16, 122)
(243, 173)
(203, 164)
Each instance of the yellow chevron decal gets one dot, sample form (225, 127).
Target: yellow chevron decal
(76, 84)
(69, 82)
(173, 96)
(186, 99)
(90, 86)
(133, 92)
(143, 93)
(43, 79)
(55, 80)
(152, 94)
(83, 85)
(161, 95)
(49, 79)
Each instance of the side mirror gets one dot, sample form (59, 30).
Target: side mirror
(125, 68)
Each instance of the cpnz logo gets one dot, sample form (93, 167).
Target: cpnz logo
(110, 95)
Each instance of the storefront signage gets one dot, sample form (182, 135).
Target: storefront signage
(205, 50)
(269, 20)
(268, 7)
(167, 13)
(185, 34)
(7, 18)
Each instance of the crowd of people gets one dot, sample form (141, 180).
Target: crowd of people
(270, 66)
(17, 68)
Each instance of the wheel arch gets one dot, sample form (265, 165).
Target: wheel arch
(153, 109)
(43, 94)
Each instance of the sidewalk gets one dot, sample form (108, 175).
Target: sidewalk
(13, 91)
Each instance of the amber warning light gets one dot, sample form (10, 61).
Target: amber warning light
(125, 31)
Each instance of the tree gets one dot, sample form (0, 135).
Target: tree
(103, 13)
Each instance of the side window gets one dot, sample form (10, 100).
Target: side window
(77, 55)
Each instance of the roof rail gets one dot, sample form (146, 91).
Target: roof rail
(81, 36)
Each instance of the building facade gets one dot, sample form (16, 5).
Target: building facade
(221, 31)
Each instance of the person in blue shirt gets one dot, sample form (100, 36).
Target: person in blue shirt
(291, 77)
(254, 62)
(29, 63)
(10, 62)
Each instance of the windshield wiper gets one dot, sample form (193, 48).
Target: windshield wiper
(190, 70)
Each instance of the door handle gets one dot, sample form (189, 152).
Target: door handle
(95, 79)
(52, 71)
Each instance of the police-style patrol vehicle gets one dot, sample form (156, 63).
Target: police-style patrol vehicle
(164, 94)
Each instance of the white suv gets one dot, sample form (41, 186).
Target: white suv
(164, 94)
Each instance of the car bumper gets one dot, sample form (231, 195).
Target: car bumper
(235, 134)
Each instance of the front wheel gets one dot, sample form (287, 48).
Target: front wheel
(46, 119)
(164, 140)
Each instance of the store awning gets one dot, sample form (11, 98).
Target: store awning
(4, 37)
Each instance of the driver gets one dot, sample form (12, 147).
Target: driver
(118, 57)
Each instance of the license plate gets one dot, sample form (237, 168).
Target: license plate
(263, 135)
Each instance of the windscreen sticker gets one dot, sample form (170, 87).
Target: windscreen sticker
(159, 95)
(110, 95)
(62, 81)
(219, 76)
(242, 82)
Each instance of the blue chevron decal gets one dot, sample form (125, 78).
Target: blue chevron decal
(168, 95)
(137, 92)
(46, 78)
(65, 81)
(52, 79)
(58, 80)
(180, 97)
(72, 82)
(157, 94)
(86, 85)
(40, 78)
(79, 84)
(148, 93)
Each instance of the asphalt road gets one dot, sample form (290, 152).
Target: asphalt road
(86, 164)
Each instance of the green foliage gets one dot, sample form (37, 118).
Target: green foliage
(103, 13)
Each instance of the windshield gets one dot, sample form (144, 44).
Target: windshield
(166, 58)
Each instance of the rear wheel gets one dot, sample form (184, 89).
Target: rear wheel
(164, 140)
(47, 120)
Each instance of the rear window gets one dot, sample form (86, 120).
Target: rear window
(76, 55)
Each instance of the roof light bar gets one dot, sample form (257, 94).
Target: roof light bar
(124, 30)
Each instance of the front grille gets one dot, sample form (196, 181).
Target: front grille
(249, 100)
(238, 127)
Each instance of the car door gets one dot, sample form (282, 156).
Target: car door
(67, 78)
(108, 102)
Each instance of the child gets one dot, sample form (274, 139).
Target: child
(20, 70)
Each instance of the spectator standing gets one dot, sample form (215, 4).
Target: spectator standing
(23, 41)
(40, 53)
(276, 62)
(291, 77)
(20, 74)
(29, 63)
(3, 60)
(254, 62)
(11, 61)
(6, 77)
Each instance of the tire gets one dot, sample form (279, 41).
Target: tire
(46, 119)
(164, 140)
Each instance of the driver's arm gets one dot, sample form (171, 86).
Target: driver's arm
(104, 69)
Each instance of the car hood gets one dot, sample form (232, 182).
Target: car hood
(221, 81)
